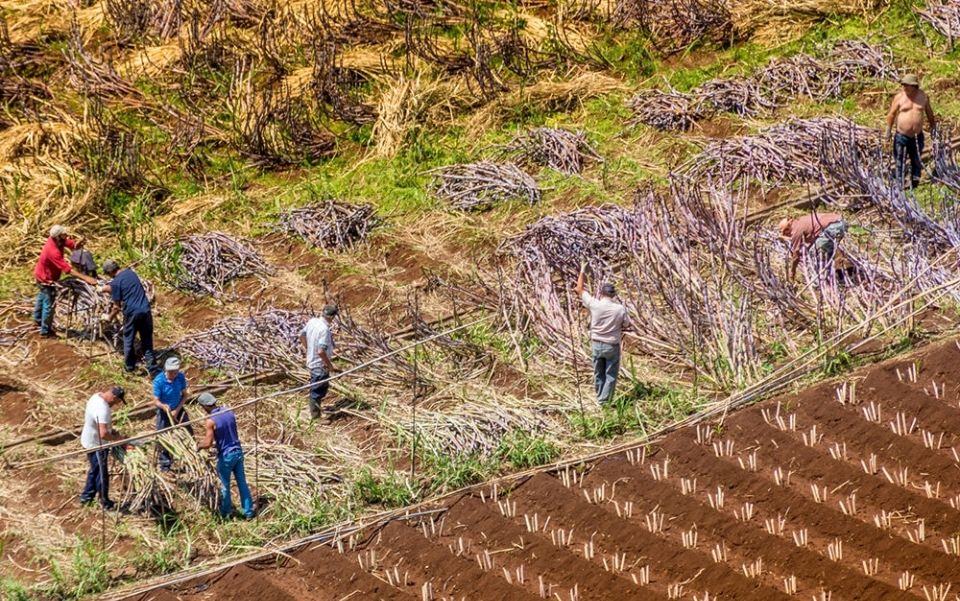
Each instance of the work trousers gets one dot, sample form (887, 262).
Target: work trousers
(232, 464)
(606, 367)
(43, 307)
(140, 324)
(98, 479)
(163, 421)
(908, 148)
(826, 242)
(318, 389)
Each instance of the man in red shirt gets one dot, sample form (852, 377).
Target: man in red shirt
(822, 230)
(50, 266)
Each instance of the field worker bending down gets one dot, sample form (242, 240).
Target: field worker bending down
(50, 266)
(317, 335)
(97, 430)
(608, 319)
(822, 230)
(221, 428)
(127, 293)
(169, 393)
(907, 113)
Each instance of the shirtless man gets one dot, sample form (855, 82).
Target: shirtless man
(907, 112)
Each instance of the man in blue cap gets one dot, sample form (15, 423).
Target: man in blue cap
(169, 393)
(221, 428)
(127, 293)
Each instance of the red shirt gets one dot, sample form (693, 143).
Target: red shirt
(51, 262)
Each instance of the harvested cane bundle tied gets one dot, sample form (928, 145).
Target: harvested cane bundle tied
(479, 186)
(205, 263)
(560, 149)
(78, 308)
(146, 488)
(666, 111)
(196, 470)
(330, 225)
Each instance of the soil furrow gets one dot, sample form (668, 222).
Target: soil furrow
(900, 554)
(777, 553)
(482, 526)
(548, 497)
(323, 573)
(419, 560)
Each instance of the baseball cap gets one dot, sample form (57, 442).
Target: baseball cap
(331, 311)
(57, 230)
(120, 393)
(171, 364)
(206, 399)
(608, 289)
(109, 266)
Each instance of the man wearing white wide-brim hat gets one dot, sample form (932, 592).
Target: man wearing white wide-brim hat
(908, 111)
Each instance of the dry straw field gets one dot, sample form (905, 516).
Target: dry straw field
(441, 169)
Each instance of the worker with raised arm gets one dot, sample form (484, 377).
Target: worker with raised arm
(822, 230)
(169, 394)
(220, 428)
(50, 266)
(128, 295)
(905, 120)
(317, 336)
(98, 430)
(608, 319)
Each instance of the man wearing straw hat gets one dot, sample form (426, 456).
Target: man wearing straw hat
(97, 430)
(221, 428)
(169, 394)
(907, 113)
(50, 266)
(608, 319)
(317, 335)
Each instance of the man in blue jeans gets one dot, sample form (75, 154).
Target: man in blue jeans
(50, 266)
(608, 319)
(127, 293)
(98, 430)
(169, 393)
(221, 427)
(317, 336)
(908, 111)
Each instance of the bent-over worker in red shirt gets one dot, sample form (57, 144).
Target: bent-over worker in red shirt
(822, 230)
(50, 266)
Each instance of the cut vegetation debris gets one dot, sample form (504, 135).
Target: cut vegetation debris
(944, 16)
(330, 224)
(480, 186)
(205, 264)
(559, 149)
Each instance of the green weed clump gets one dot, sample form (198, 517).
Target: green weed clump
(522, 450)
(88, 575)
(390, 489)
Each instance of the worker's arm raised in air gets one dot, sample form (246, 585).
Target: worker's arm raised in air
(580, 278)
(207, 441)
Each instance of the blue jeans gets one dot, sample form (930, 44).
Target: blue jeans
(321, 385)
(908, 147)
(98, 479)
(141, 325)
(43, 308)
(232, 463)
(163, 421)
(826, 242)
(606, 367)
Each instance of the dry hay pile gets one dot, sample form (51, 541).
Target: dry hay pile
(330, 225)
(205, 263)
(559, 149)
(480, 186)
(789, 152)
(780, 20)
(944, 16)
(782, 80)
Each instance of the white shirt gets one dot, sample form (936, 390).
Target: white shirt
(607, 318)
(98, 412)
(319, 337)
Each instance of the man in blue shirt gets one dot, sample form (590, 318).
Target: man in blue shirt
(221, 427)
(169, 393)
(126, 291)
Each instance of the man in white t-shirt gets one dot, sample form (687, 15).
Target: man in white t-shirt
(98, 430)
(608, 319)
(317, 335)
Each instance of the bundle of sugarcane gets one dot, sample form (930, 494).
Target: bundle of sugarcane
(282, 471)
(264, 341)
(79, 306)
(944, 16)
(740, 96)
(358, 344)
(789, 152)
(195, 470)
(331, 225)
(205, 263)
(666, 111)
(146, 489)
(479, 186)
(560, 149)
(675, 24)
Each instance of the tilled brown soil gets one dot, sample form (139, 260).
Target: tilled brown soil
(803, 496)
